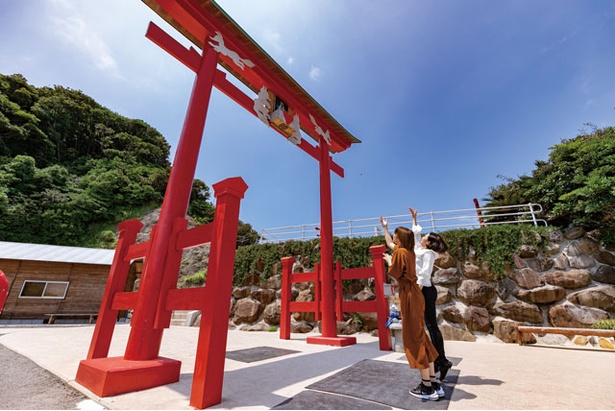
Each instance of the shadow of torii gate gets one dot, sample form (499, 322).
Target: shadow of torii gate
(280, 103)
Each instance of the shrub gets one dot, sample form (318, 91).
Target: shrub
(605, 324)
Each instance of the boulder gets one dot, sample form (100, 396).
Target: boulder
(471, 270)
(526, 278)
(551, 249)
(568, 279)
(265, 296)
(452, 314)
(576, 258)
(570, 315)
(300, 327)
(540, 264)
(506, 330)
(447, 276)
(518, 311)
(602, 297)
(542, 295)
(605, 257)
(477, 319)
(505, 287)
(527, 251)
(271, 314)
(474, 292)
(369, 320)
(444, 295)
(605, 274)
(445, 260)
(573, 233)
(455, 332)
(247, 310)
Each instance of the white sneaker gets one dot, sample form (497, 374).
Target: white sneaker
(424, 392)
(437, 387)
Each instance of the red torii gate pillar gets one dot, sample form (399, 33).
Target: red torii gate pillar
(141, 367)
(329, 322)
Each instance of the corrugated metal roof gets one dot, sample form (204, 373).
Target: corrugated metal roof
(60, 254)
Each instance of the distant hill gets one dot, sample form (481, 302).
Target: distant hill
(71, 169)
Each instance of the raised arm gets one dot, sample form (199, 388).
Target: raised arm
(387, 235)
(416, 229)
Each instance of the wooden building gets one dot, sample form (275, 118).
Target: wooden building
(46, 280)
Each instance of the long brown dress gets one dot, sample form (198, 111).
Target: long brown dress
(417, 345)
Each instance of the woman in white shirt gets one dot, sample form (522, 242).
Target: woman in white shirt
(427, 249)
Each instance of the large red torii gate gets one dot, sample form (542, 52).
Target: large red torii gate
(280, 103)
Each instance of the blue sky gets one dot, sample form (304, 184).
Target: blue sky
(444, 95)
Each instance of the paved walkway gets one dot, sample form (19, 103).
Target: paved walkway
(491, 375)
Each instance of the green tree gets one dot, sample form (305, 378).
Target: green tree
(576, 185)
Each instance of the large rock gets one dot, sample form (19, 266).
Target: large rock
(452, 314)
(369, 320)
(568, 279)
(576, 258)
(300, 327)
(477, 319)
(570, 315)
(606, 257)
(455, 332)
(605, 274)
(506, 330)
(540, 264)
(574, 233)
(598, 297)
(366, 294)
(445, 260)
(265, 296)
(304, 296)
(518, 311)
(526, 278)
(527, 251)
(505, 287)
(247, 310)
(271, 314)
(444, 295)
(472, 270)
(542, 295)
(447, 276)
(474, 292)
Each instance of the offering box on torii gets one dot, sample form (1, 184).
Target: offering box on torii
(280, 103)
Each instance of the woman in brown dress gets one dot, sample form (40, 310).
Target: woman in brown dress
(420, 352)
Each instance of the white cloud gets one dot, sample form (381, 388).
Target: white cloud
(290, 61)
(315, 73)
(74, 31)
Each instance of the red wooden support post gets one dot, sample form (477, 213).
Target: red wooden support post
(105, 323)
(381, 302)
(329, 326)
(317, 292)
(339, 291)
(286, 297)
(478, 212)
(213, 332)
(143, 342)
(327, 304)
(4, 290)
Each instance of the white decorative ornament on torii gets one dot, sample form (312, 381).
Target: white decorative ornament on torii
(222, 49)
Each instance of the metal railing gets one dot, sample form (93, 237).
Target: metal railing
(430, 221)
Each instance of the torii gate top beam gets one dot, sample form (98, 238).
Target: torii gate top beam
(200, 20)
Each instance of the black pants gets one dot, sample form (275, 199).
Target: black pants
(431, 322)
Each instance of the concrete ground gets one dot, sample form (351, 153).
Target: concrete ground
(492, 375)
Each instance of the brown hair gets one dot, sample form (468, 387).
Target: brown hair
(406, 238)
(436, 243)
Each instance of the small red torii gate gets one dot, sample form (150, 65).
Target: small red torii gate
(280, 103)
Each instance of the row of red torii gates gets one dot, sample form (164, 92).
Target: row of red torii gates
(280, 103)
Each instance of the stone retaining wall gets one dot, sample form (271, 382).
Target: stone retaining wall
(569, 283)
